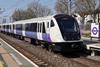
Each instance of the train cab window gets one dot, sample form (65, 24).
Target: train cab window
(52, 23)
(66, 23)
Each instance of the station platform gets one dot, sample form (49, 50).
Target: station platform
(6, 60)
(10, 57)
(93, 45)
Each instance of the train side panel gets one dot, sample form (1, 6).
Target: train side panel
(55, 33)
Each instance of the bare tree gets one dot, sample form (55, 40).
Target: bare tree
(19, 15)
(16, 15)
(85, 7)
(38, 9)
(62, 6)
(82, 7)
(35, 9)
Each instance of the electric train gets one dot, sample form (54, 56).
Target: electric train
(59, 32)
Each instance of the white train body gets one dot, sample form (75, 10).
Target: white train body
(52, 29)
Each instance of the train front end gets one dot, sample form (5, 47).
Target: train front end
(70, 33)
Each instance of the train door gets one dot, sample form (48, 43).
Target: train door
(48, 31)
(39, 31)
(48, 27)
(14, 28)
(23, 30)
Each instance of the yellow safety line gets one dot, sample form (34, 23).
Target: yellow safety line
(1, 64)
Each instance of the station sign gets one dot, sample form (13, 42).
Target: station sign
(94, 29)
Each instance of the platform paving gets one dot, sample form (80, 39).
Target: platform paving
(12, 57)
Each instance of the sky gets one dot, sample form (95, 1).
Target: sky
(8, 6)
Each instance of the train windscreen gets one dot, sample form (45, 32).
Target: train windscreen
(67, 23)
(68, 27)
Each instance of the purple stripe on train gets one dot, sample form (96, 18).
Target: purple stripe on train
(19, 32)
(6, 30)
(31, 34)
(1, 29)
(46, 37)
(11, 31)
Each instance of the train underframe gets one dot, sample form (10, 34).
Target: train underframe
(58, 47)
(61, 47)
(70, 47)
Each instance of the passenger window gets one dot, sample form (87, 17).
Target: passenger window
(19, 26)
(31, 27)
(52, 23)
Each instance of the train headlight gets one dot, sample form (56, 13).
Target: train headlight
(74, 46)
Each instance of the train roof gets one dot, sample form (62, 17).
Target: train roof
(35, 19)
(28, 20)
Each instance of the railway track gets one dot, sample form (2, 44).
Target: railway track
(43, 58)
(88, 62)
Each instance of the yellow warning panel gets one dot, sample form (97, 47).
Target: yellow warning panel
(1, 64)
